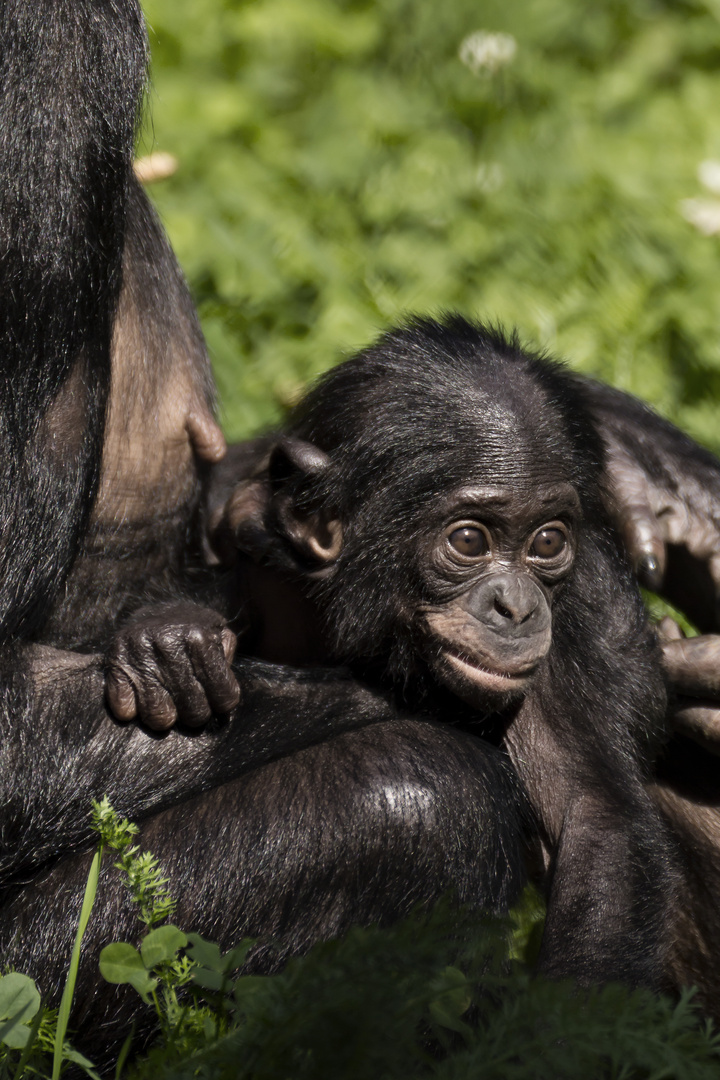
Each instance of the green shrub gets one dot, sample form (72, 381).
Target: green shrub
(345, 161)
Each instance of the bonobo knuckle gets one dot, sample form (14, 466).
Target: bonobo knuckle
(116, 653)
(141, 638)
(199, 636)
(122, 666)
(168, 639)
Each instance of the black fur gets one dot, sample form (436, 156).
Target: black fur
(72, 73)
(377, 815)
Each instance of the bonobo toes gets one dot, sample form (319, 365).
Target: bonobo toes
(170, 664)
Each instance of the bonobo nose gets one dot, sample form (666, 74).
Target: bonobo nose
(512, 604)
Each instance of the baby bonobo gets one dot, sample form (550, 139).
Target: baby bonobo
(432, 518)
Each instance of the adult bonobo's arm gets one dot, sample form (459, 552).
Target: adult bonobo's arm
(62, 748)
(663, 492)
(664, 496)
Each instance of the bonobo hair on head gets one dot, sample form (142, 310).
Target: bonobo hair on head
(72, 75)
(401, 424)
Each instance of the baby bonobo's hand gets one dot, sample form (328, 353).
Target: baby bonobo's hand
(172, 663)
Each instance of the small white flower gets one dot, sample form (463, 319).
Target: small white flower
(709, 175)
(156, 166)
(704, 214)
(483, 51)
(489, 177)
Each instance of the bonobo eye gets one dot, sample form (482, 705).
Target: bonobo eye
(469, 541)
(548, 543)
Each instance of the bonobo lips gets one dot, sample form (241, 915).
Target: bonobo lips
(482, 668)
(483, 677)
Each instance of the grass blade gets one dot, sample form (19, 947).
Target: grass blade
(66, 1003)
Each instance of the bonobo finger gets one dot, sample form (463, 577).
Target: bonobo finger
(205, 434)
(229, 643)
(120, 695)
(644, 541)
(191, 701)
(669, 630)
(212, 669)
(636, 518)
(699, 720)
(692, 665)
(155, 706)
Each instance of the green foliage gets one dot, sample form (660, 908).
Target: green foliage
(527, 921)
(121, 963)
(141, 873)
(29, 1034)
(344, 161)
(434, 997)
(156, 965)
(19, 1003)
(63, 1018)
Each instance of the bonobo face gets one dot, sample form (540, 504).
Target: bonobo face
(490, 568)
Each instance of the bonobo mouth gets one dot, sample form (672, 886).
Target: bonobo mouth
(483, 669)
(484, 677)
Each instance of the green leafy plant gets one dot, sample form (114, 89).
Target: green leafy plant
(545, 164)
(155, 969)
(19, 1004)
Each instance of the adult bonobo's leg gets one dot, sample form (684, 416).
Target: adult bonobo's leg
(161, 436)
(61, 748)
(357, 829)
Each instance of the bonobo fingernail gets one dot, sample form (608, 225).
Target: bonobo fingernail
(648, 570)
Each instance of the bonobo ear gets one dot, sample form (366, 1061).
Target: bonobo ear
(316, 534)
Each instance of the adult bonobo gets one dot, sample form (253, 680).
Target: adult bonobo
(433, 516)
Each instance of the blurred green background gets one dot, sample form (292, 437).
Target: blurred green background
(543, 163)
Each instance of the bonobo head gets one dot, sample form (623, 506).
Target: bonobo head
(432, 492)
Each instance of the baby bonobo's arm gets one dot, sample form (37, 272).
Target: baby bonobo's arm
(171, 663)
